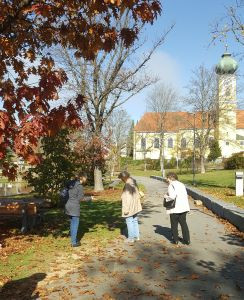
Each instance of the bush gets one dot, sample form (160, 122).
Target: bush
(170, 164)
(125, 161)
(236, 161)
(57, 166)
(153, 164)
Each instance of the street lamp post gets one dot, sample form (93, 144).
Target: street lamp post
(194, 149)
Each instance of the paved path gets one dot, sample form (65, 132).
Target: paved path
(211, 268)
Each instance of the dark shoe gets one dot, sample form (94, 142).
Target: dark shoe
(175, 242)
(76, 245)
(187, 242)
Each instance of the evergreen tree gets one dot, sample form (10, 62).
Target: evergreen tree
(56, 168)
(215, 150)
(130, 141)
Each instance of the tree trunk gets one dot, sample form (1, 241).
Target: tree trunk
(177, 163)
(202, 164)
(162, 157)
(98, 181)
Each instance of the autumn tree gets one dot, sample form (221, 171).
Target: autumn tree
(90, 151)
(161, 100)
(111, 78)
(29, 79)
(202, 99)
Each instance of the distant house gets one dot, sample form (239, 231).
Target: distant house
(179, 126)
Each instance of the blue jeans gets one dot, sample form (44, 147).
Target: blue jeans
(74, 224)
(132, 226)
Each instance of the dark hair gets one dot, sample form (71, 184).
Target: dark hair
(124, 175)
(81, 174)
(172, 176)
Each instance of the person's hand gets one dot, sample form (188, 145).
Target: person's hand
(93, 198)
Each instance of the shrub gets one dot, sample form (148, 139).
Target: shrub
(215, 150)
(236, 161)
(170, 164)
(57, 166)
(152, 164)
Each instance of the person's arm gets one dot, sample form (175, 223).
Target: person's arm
(172, 192)
(80, 192)
(125, 202)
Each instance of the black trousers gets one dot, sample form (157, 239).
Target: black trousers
(175, 219)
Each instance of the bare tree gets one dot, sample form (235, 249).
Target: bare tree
(109, 80)
(202, 99)
(118, 125)
(232, 22)
(161, 100)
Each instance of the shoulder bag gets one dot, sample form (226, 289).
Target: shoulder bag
(169, 203)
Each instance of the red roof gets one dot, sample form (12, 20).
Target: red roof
(240, 119)
(175, 121)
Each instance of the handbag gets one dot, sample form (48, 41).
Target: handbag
(169, 203)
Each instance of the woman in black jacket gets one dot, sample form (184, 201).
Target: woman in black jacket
(72, 207)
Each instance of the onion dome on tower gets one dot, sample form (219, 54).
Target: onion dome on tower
(227, 65)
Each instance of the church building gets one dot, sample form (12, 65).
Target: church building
(180, 128)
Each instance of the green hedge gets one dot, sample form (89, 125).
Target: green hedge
(236, 161)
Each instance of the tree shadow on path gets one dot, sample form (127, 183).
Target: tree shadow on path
(23, 289)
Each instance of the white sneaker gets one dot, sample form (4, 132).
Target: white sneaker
(129, 241)
(137, 239)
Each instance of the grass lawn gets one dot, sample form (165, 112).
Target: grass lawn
(23, 255)
(220, 184)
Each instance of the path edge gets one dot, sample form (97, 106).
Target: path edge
(230, 212)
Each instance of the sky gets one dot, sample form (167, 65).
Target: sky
(186, 47)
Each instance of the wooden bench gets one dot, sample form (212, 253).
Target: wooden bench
(27, 209)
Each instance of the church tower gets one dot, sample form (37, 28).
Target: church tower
(227, 104)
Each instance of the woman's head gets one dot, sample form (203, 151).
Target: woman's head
(124, 175)
(82, 177)
(171, 176)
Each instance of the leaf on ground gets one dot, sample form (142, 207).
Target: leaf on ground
(106, 296)
(136, 270)
(194, 277)
(87, 292)
(224, 297)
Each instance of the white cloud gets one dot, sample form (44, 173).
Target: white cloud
(166, 68)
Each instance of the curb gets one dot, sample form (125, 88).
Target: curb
(230, 212)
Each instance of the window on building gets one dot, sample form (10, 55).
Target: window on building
(197, 142)
(242, 143)
(210, 140)
(156, 143)
(170, 143)
(143, 143)
(227, 143)
(183, 143)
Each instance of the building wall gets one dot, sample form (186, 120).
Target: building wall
(228, 147)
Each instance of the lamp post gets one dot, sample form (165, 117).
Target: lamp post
(194, 149)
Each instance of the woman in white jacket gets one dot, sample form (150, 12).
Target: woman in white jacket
(177, 190)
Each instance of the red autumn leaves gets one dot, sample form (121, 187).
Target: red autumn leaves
(29, 79)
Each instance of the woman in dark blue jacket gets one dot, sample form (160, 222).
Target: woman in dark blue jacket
(72, 207)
